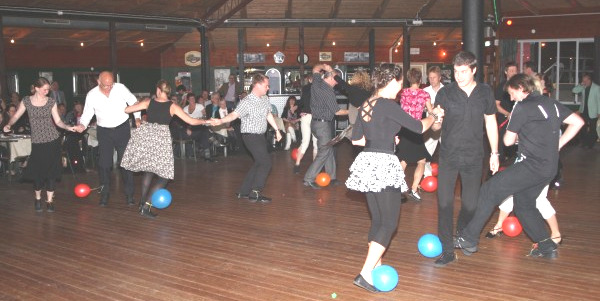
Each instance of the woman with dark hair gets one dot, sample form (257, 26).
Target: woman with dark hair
(411, 148)
(44, 164)
(291, 121)
(376, 170)
(150, 148)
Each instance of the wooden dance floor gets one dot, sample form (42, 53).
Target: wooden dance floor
(306, 245)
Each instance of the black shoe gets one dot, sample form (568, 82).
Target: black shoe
(38, 205)
(413, 195)
(103, 201)
(494, 233)
(256, 197)
(466, 246)
(240, 195)
(334, 182)
(362, 283)
(445, 259)
(130, 201)
(296, 169)
(549, 254)
(50, 207)
(146, 212)
(313, 185)
(210, 160)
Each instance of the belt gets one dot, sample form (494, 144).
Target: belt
(321, 120)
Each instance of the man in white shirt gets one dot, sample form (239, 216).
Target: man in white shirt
(200, 133)
(434, 74)
(108, 102)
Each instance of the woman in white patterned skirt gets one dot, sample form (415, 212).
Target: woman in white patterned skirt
(150, 147)
(376, 170)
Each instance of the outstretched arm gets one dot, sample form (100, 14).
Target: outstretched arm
(177, 110)
(58, 121)
(574, 123)
(138, 106)
(13, 120)
(272, 122)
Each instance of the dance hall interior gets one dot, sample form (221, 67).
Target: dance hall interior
(159, 150)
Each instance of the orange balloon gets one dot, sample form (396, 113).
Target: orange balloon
(434, 169)
(323, 179)
(294, 154)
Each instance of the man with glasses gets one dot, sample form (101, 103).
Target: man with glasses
(108, 102)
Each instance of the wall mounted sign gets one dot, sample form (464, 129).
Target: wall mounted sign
(325, 56)
(279, 57)
(254, 58)
(193, 58)
(356, 57)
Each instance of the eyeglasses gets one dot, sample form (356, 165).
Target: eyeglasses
(103, 86)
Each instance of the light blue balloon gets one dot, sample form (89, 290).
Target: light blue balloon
(385, 278)
(161, 198)
(430, 245)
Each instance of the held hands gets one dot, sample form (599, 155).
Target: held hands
(79, 128)
(439, 113)
(214, 122)
(494, 163)
(7, 128)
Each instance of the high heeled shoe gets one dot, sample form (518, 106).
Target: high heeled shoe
(49, 206)
(38, 205)
(557, 240)
(496, 232)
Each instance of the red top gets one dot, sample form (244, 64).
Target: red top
(413, 102)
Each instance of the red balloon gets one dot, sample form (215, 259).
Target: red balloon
(429, 184)
(294, 154)
(511, 226)
(323, 179)
(434, 169)
(82, 190)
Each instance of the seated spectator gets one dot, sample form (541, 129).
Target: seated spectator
(200, 133)
(204, 98)
(22, 125)
(225, 132)
(291, 120)
(62, 112)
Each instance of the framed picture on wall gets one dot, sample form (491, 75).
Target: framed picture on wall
(221, 77)
(185, 79)
(46, 74)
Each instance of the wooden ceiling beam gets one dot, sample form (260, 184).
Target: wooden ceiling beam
(376, 15)
(288, 15)
(332, 15)
(525, 4)
(223, 11)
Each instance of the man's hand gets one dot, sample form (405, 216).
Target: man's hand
(79, 128)
(278, 135)
(494, 163)
(138, 122)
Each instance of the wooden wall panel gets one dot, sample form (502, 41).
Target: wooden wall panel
(584, 26)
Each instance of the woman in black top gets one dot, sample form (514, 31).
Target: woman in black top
(150, 148)
(376, 170)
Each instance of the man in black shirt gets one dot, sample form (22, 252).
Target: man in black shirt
(536, 120)
(504, 106)
(468, 105)
(324, 107)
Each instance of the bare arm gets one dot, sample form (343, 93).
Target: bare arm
(58, 121)
(177, 110)
(229, 118)
(491, 128)
(501, 110)
(138, 106)
(272, 122)
(341, 112)
(20, 111)
(574, 123)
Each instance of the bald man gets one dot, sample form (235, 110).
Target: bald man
(108, 102)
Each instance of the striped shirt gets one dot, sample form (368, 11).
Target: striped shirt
(253, 111)
(323, 103)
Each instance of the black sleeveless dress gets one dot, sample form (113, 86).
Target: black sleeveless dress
(150, 148)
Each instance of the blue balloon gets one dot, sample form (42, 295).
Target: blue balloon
(385, 278)
(430, 245)
(161, 198)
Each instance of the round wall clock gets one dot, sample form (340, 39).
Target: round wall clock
(301, 61)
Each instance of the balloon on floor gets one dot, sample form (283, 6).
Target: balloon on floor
(82, 190)
(323, 179)
(161, 198)
(429, 184)
(385, 278)
(430, 245)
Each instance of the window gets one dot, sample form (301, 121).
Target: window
(561, 63)
(83, 82)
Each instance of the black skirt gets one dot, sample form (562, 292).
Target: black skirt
(44, 161)
(411, 147)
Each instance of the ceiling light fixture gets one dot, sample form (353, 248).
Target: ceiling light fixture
(81, 44)
(333, 43)
(12, 40)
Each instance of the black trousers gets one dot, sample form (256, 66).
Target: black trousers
(470, 178)
(589, 134)
(109, 140)
(525, 183)
(257, 175)
(384, 207)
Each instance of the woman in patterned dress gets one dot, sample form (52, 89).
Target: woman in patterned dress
(411, 148)
(150, 148)
(43, 166)
(376, 170)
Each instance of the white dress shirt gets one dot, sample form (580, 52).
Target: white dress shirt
(109, 111)
(432, 93)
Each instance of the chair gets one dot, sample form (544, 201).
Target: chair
(217, 145)
(182, 143)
